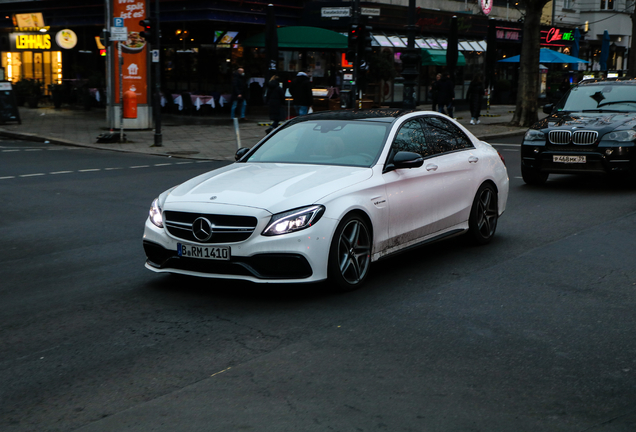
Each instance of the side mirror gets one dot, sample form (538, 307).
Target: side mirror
(547, 108)
(240, 153)
(405, 159)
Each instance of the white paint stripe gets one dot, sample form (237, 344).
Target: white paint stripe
(112, 169)
(9, 151)
(61, 172)
(139, 166)
(32, 175)
(164, 164)
(7, 177)
(89, 170)
(33, 149)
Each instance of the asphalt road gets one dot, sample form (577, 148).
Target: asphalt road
(533, 332)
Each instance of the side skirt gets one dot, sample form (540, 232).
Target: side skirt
(386, 254)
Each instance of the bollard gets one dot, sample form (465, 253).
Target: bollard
(238, 134)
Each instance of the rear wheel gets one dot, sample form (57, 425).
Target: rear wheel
(350, 253)
(533, 176)
(484, 215)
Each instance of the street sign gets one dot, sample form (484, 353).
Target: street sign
(370, 11)
(118, 22)
(155, 56)
(119, 34)
(335, 12)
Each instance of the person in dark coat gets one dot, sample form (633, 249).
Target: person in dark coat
(474, 96)
(239, 92)
(300, 90)
(446, 95)
(435, 91)
(274, 98)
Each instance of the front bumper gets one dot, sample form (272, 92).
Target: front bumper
(301, 256)
(599, 159)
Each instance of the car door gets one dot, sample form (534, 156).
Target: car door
(457, 164)
(412, 194)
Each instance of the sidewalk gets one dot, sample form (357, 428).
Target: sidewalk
(197, 137)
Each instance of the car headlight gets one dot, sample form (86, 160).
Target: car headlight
(156, 214)
(534, 135)
(622, 136)
(294, 220)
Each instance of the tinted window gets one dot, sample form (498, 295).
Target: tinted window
(411, 138)
(607, 96)
(444, 136)
(325, 142)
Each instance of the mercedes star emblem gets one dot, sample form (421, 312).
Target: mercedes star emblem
(202, 229)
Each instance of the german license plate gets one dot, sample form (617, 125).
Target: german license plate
(568, 159)
(203, 252)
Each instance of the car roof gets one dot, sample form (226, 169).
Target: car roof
(377, 114)
(605, 81)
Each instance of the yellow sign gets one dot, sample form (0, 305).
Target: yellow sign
(28, 20)
(33, 41)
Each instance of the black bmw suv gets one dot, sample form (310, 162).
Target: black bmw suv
(592, 129)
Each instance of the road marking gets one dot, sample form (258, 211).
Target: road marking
(88, 170)
(510, 150)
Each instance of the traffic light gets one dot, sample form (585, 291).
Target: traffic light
(354, 37)
(148, 32)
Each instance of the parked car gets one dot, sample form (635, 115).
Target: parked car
(325, 195)
(592, 129)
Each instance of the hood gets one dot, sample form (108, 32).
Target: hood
(273, 187)
(601, 122)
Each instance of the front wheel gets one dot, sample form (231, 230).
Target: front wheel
(350, 253)
(483, 215)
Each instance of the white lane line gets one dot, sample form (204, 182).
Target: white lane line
(11, 151)
(60, 172)
(183, 163)
(33, 149)
(163, 164)
(32, 175)
(139, 166)
(510, 150)
(112, 168)
(89, 170)
(7, 177)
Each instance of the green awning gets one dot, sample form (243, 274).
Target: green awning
(431, 57)
(301, 37)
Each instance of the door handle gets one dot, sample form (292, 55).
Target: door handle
(473, 159)
(431, 167)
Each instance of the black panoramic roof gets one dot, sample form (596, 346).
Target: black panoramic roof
(377, 114)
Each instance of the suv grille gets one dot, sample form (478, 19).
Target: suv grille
(562, 137)
(225, 228)
(584, 137)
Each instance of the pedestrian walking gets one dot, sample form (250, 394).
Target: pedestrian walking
(239, 93)
(300, 90)
(274, 98)
(446, 95)
(434, 91)
(474, 95)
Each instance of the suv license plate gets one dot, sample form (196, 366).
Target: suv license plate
(568, 159)
(204, 252)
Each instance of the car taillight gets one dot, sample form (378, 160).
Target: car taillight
(502, 158)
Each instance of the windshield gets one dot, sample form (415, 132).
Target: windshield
(325, 142)
(605, 97)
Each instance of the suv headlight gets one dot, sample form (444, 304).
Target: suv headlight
(294, 220)
(156, 214)
(622, 136)
(534, 135)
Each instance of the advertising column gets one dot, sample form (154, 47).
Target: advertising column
(134, 71)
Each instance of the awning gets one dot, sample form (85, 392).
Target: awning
(302, 37)
(432, 57)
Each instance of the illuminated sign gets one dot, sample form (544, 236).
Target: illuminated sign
(66, 39)
(486, 6)
(555, 35)
(33, 41)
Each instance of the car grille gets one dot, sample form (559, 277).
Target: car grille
(225, 228)
(561, 137)
(570, 148)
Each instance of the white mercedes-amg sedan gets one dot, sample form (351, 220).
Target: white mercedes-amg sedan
(325, 195)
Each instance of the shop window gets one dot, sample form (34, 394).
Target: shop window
(607, 4)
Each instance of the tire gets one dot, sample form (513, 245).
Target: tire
(533, 177)
(350, 253)
(484, 214)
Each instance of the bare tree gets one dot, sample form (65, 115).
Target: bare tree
(528, 86)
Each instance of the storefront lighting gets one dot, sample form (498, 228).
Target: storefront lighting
(43, 30)
(178, 32)
(587, 26)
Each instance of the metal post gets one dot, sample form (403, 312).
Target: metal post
(120, 60)
(157, 93)
(110, 100)
(238, 133)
